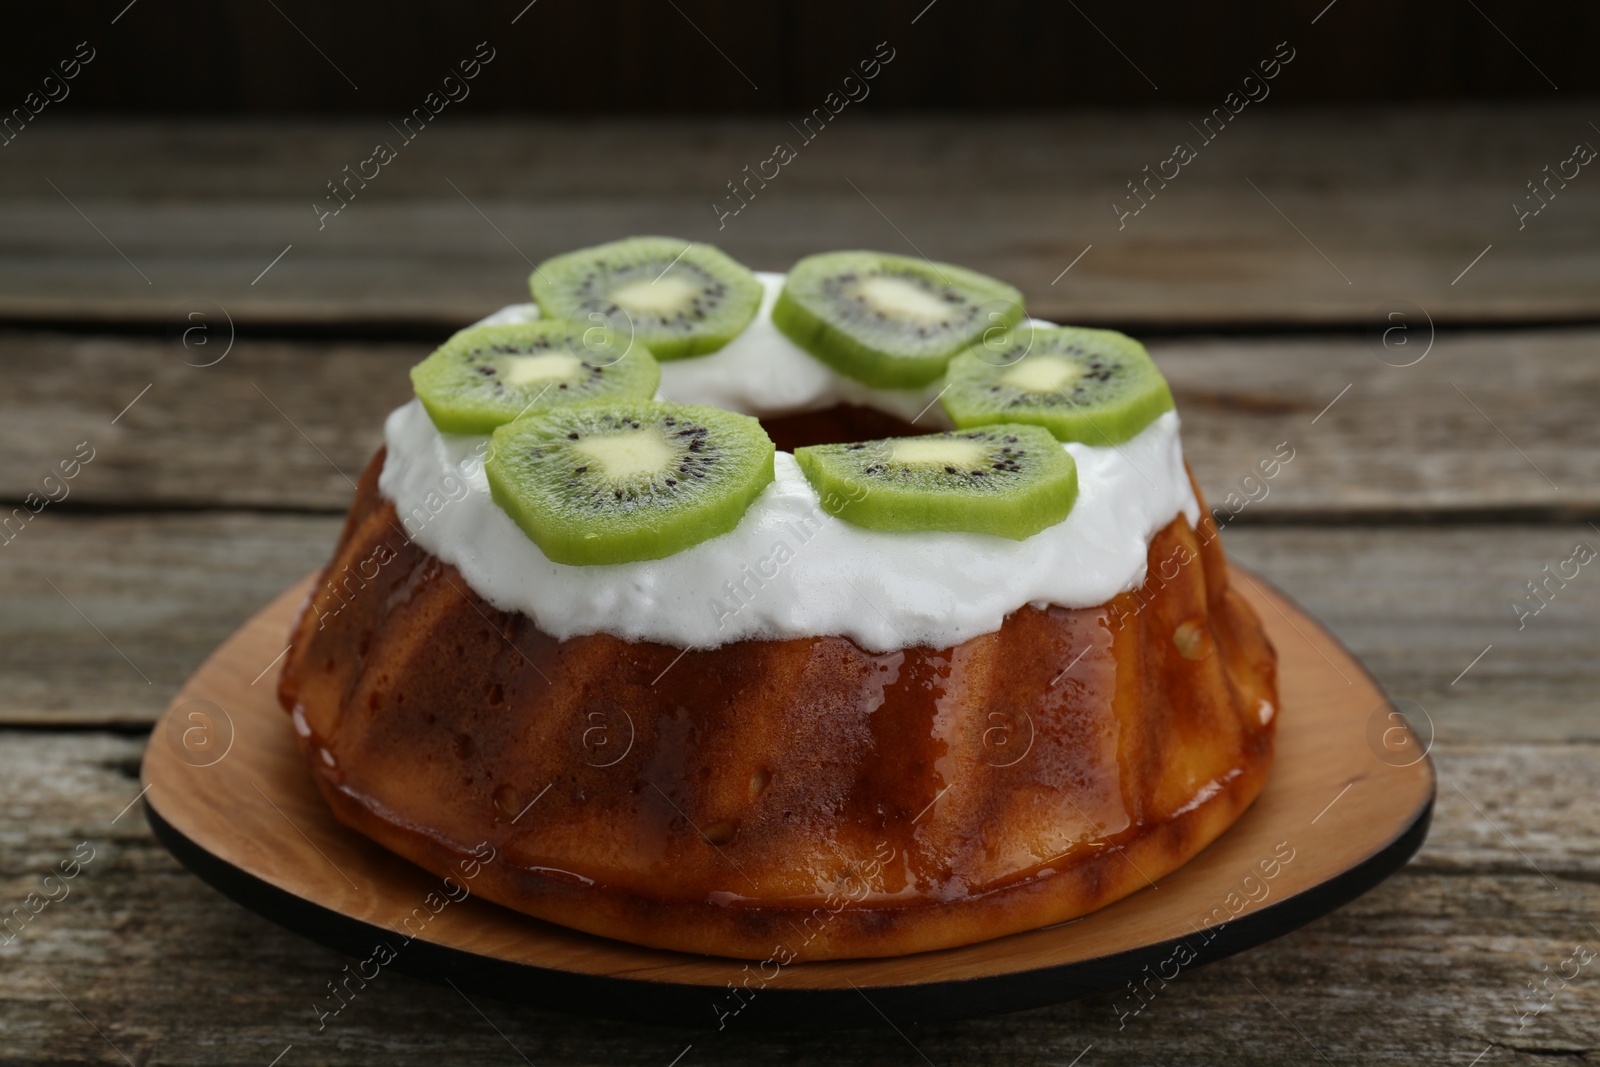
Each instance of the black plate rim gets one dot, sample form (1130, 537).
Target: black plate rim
(774, 1007)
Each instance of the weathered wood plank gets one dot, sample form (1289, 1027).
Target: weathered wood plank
(1485, 421)
(200, 209)
(1433, 967)
(1416, 604)
(155, 594)
(275, 423)
(246, 431)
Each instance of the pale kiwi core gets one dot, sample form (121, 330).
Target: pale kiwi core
(902, 299)
(1042, 374)
(525, 370)
(937, 452)
(630, 454)
(665, 295)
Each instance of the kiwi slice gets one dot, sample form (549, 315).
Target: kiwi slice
(486, 376)
(1012, 481)
(1099, 387)
(617, 481)
(890, 321)
(678, 298)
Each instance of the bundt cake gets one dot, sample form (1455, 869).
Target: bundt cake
(849, 613)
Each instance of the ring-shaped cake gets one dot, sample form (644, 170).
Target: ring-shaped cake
(801, 738)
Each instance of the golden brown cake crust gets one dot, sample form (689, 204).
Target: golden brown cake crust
(783, 800)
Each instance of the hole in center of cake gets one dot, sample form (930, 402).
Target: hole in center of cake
(837, 425)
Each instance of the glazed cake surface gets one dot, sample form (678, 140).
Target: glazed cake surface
(796, 799)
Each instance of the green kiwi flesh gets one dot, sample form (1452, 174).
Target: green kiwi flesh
(1097, 387)
(892, 322)
(619, 481)
(1010, 480)
(486, 376)
(676, 297)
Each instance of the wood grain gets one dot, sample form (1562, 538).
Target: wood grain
(156, 594)
(286, 424)
(199, 210)
(1429, 968)
(1432, 967)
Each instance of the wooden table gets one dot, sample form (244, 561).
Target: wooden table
(1420, 501)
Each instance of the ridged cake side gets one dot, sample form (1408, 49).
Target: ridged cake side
(783, 800)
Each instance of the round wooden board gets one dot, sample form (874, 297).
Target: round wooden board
(1348, 802)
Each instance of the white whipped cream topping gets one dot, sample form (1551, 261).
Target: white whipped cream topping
(761, 372)
(790, 569)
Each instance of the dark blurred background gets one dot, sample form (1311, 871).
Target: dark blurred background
(300, 57)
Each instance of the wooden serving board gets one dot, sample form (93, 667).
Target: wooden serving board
(1348, 802)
